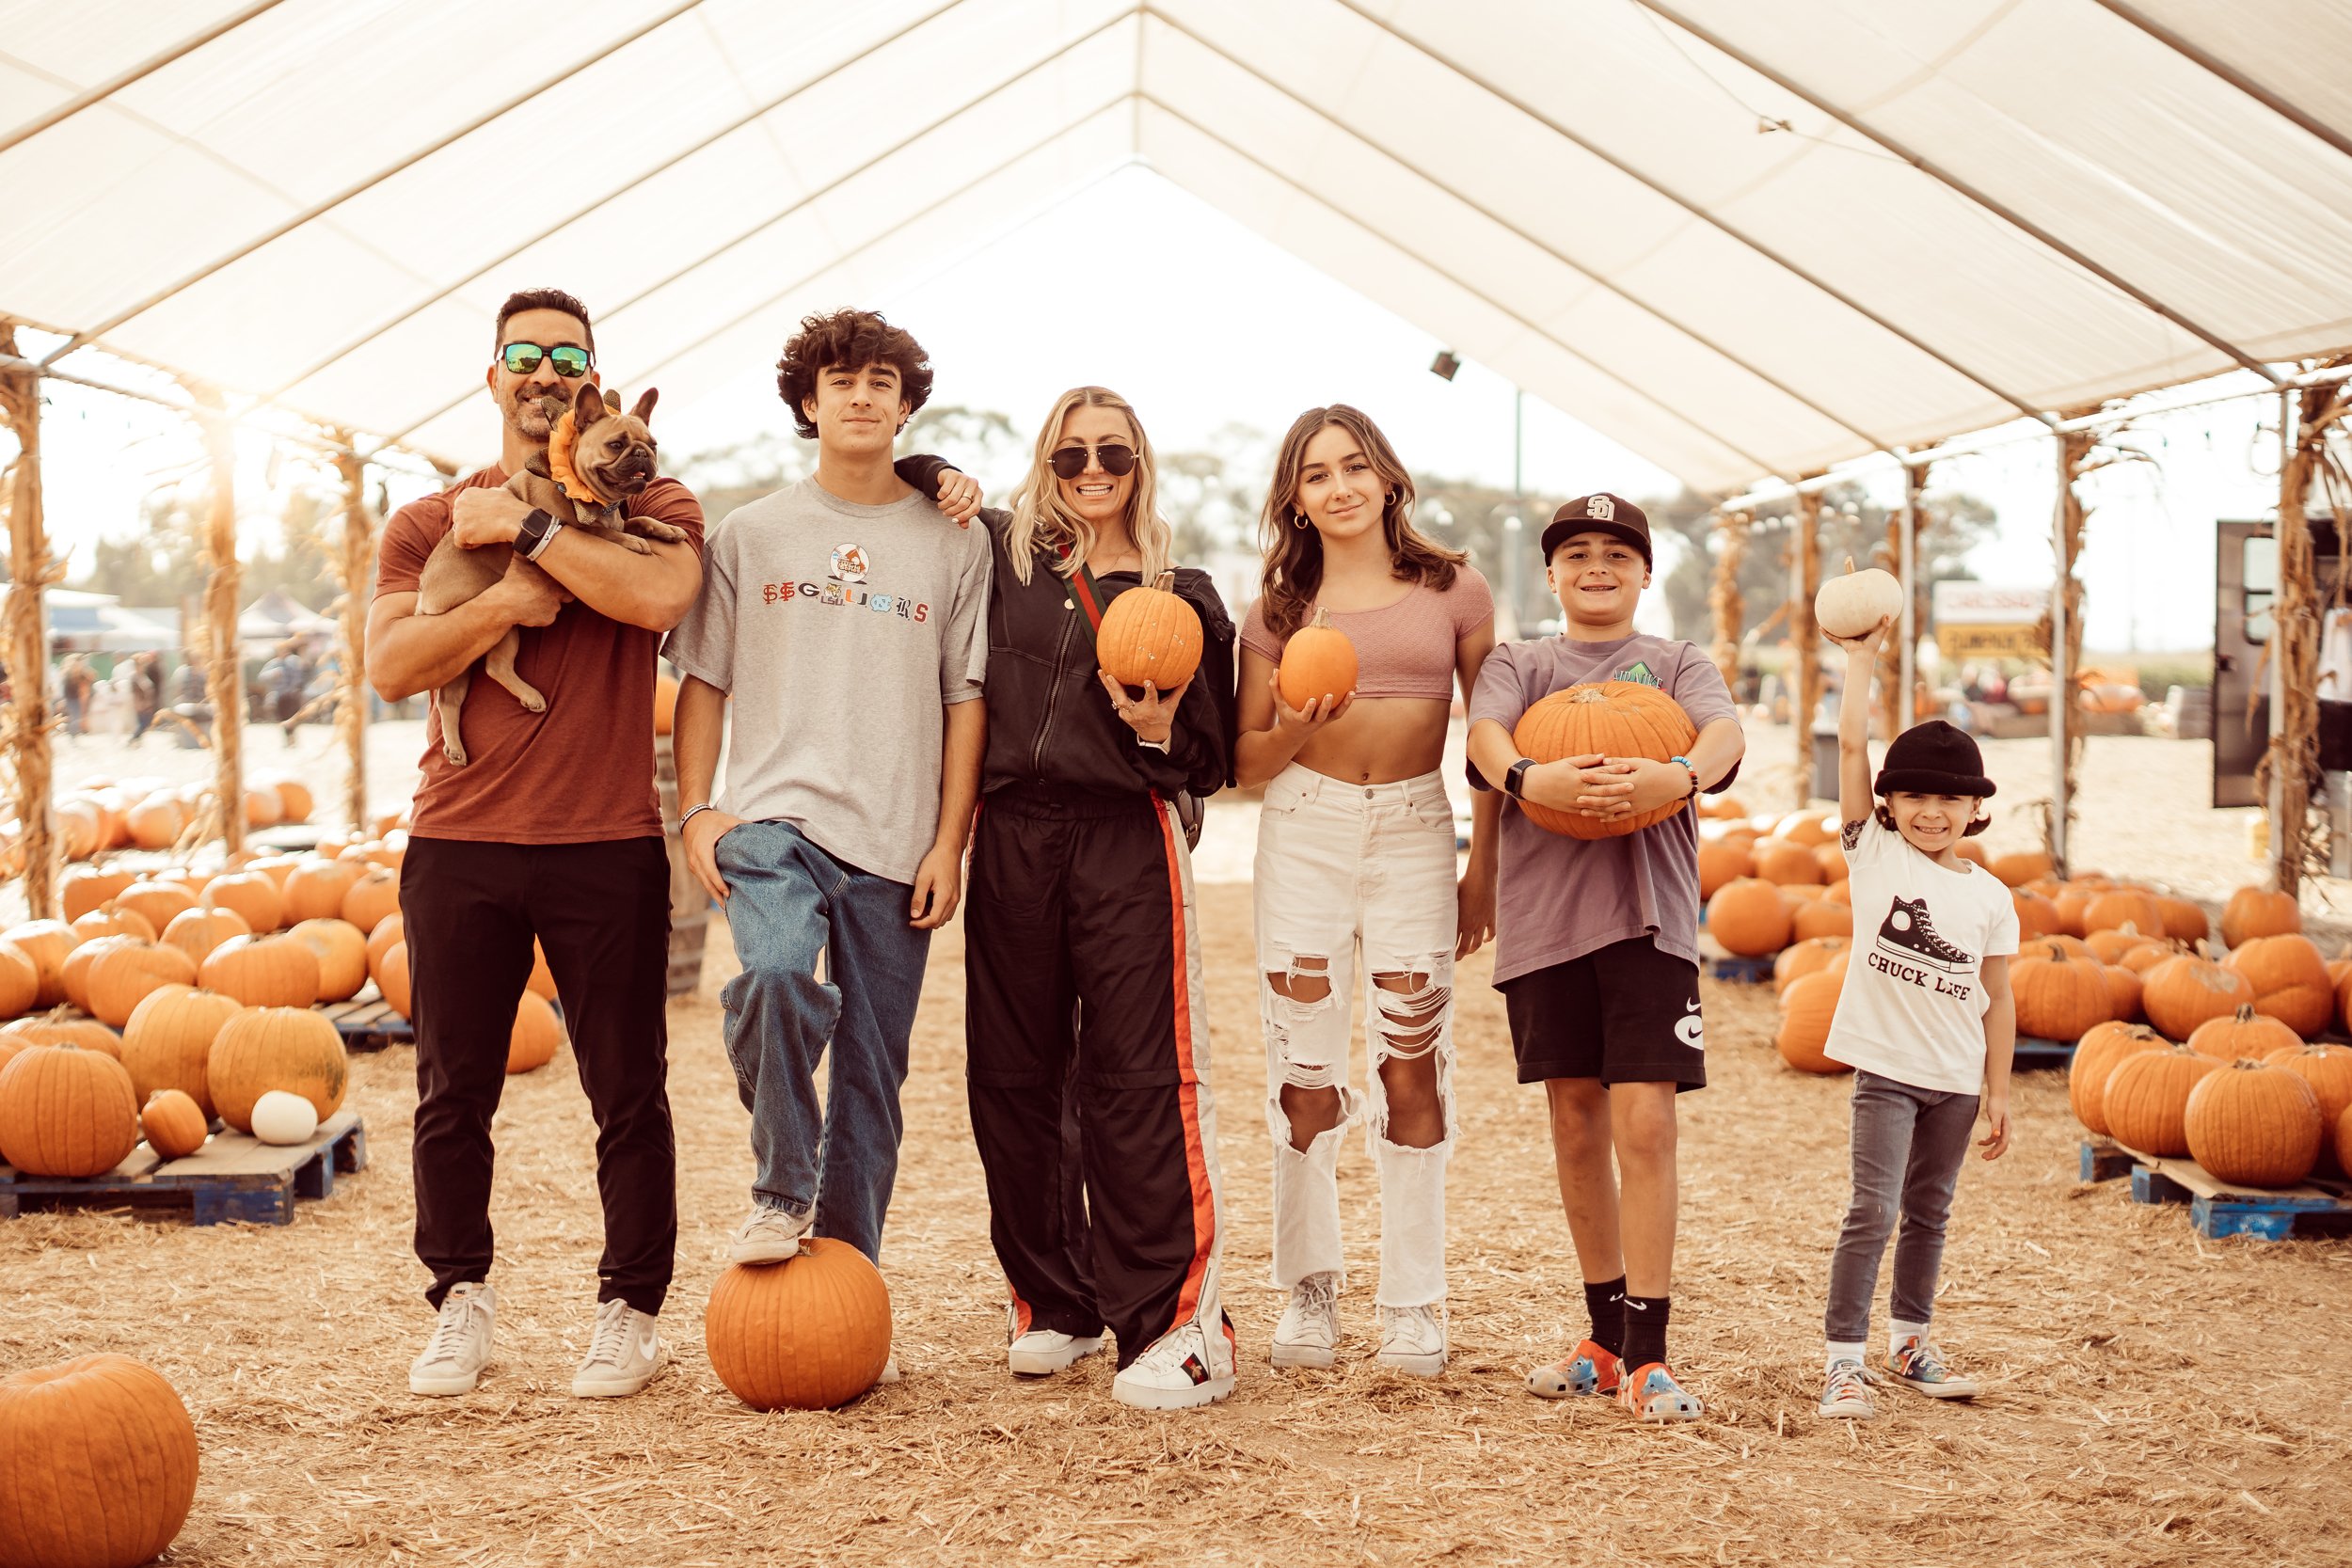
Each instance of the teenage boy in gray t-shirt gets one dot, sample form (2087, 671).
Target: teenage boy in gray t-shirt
(848, 620)
(1597, 943)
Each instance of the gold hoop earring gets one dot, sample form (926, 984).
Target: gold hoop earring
(1298, 519)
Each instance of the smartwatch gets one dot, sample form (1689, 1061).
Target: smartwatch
(1515, 780)
(533, 536)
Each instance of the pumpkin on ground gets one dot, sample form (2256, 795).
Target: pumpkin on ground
(2145, 956)
(316, 889)
(1811, 828)
(20, 980)
(1786, 862)
(1806, 1010)
(810, 1333)
(252, 895)
(2146, 1101)
(2244, 1033)
(2018, 869)
(276, 868)
(2254, 1124)
(2035, 916)
(2059, 995)
(95, 924)
(2095, 1058)
(1822, 918)
(2253, 912)
(197, 932)
(343, 954)
(531, 1043)
(65, 1111)
(1618, 719)
(80, 892)
(1149, 633)
(2327, 1069)
(1800, 959)
(391, 979)
(155, 902)
(157, 821)
(1721, 860)
(2183, 992)
(48, 944)
(2124, 988)
(122, 977)
(2290, 980)
(79, 961)
(2184, 919)
(264, 971)
(168, 1042)
(1832, 860)
(383, 938)
(1317, 661)
(295, 803)
(2120, 907)
(1855, 605)
(64, 1026)
(262, 1049)
(101, 1461)
(374, 898)
(542, 979)
(1749, 918)
(174, 1125)
(2344, 1141)
(2111, 944)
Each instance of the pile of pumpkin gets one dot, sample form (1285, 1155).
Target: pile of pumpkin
(168, 998)
(103, 813)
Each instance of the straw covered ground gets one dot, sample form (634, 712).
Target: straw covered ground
(2141, 1410)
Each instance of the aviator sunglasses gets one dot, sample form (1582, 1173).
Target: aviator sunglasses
(522, 358)
(1069, 461)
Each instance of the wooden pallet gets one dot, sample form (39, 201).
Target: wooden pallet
(233, 1178)
(2215, 1209)
(2032, 1052)
(1744, 972)
(367, 1021)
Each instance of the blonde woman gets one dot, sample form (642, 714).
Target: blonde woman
(1356, 874)
(1085, 1021)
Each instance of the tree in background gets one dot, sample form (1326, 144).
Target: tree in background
(160, 565)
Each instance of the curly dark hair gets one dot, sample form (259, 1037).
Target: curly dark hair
(545, 299)
(851, 340)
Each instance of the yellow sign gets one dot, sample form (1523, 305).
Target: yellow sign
(1987, 642)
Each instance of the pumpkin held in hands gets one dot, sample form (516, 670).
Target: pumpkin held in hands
(1850, 605)
(1317, 661)
(1614, 719)
(1149, 635)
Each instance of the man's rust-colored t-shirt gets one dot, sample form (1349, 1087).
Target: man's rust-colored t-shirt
(582, 771)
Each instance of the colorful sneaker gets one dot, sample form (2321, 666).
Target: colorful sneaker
(1587, 1370)
(1919, 1366)
(460, 1346)
(621, 1357)
(1310, 1330)
(769, 1235)
(1849, 1392)
(1651, 1394)
(1412, 1339)
(1042, 1351)
(1183, 1368)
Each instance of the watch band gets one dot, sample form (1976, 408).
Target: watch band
(532, 536)
(1515, 782)
(688, 816)
(1159, 746)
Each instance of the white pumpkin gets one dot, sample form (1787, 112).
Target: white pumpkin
(1850, 605)
(281, 1117)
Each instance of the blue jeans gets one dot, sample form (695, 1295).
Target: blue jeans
(790, 901)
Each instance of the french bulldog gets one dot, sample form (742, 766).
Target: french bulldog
(612, 462)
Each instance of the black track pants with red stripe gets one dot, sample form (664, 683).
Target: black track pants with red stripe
(1087, 1039)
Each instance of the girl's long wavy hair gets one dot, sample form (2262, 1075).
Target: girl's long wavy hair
(1294, 550)
(1042, 521)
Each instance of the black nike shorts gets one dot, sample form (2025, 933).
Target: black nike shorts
(1625, 1013)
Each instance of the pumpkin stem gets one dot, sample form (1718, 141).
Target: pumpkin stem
(2246, 1012)
(1850, 563)
(1165, 581)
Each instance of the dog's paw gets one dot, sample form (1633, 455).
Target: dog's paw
(457, 755)
(669, 533)
(533, 702)
(631, 542)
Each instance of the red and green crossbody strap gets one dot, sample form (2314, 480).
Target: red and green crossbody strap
(1090, 595)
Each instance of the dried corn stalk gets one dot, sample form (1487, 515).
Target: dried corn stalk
(27, 639)
(353, 568)
(1723, 595)
(2292, 761)
(223, 679)
(1805, 636)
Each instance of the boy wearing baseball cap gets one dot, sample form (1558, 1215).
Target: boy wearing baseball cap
(1597, 943)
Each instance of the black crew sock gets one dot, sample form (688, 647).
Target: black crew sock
(1606, 1302)
(1645, 1330)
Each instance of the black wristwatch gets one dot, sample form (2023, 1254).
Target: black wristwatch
(1515, 782)
(534, 532)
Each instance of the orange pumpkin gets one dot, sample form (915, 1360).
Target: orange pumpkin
(2244, 1033)
(1149, 634)
(107, 921)
(276, 868)
(2073, 908)
(120, 979)
(1790, 864)
(197, 932)
(2140, 959)
(2124, 988)
(2183, 920)
(168, 1042)
(2121, 907)
(1807, 957)
(2290, 980)
(2036, 915)
(1805, 1013)
(80, 892)
(1720, 862)
(1317, 661)
(542, 979)
(262, 1049)
(1617, 718)
(157, 821)
(252, 895)
(316, 889)
(2185, 990)
(2255, 1125)
(2344, 1141)
(101, 1460)
(343, 954)
(2018, 869)
(2059, 995)
(1820, 918)
(65, 1111)
(2146, 1101)
(372, 898)
(155, 902)
(1812, 829)
(2109, 944)
(2253, 912)
(264, 972)
(537, 1032)
(381, 940)
(1750, 918)
(2096, 1055)
(806, 1334)
(1969, 849)
(175, 1126)
(391, 979)
(2327, 1069)
(20, 980)
(64, 1026)
(78, 963)
(47, 942)
(295, 803)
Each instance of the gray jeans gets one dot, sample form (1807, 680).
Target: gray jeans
(1908, 1146)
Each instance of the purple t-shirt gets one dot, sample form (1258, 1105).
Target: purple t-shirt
(1560, 897)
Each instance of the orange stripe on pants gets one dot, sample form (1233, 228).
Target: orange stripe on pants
(1188, 1090)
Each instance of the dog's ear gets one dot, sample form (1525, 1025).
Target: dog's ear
(587, 407)
(643, 413)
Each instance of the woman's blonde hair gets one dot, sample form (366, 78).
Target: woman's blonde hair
(1042, 521)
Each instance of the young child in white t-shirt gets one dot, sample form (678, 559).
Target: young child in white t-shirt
(1926, 1020)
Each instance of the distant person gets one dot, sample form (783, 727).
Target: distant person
(146, 691)
(74, 684)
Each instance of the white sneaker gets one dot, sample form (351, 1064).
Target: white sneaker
(1310, 1329)
(460, 1346)
(1042, 1351)
(1185, 1368)
(621, 1357)
(769, 1235)
(1412, 1339)
(890, 1371)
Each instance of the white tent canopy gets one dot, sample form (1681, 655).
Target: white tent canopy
(1745, 240)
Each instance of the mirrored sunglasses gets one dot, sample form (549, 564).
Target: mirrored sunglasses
(522, 358)
(1069, 461)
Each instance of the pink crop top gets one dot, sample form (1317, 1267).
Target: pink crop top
(1402, 650)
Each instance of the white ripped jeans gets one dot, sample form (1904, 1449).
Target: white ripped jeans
(1354, 877)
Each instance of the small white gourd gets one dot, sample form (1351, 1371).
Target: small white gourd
(281, 1117)
(1850, 605)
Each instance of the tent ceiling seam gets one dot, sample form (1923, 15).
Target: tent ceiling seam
(1952, 181)
(2199, 55)
(145, 67)
(1696, 210)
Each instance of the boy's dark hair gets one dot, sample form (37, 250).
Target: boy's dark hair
(545, 299)
(849, 340)
(1886, 820)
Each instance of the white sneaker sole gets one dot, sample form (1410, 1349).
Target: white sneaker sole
(755, 1253)
(1418, 1363)
(1030, 1363)
(613, 1385)
(1317, 1357)
(1849, 1413)
(441, 1385)
(1189, 1398)
(1954, 1390)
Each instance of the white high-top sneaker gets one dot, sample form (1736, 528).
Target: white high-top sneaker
(460, 1346)
(1186, 1368)
(1310, 1330)
(1412, 1339)
(1041, 1352)
(769, 1235)
(621, 1357)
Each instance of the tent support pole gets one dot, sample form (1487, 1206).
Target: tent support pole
(223, 679)
(357, 570)
(2293, 723)
(1906, 701)
(2075, 447)
(28, 641)
(1805, 636)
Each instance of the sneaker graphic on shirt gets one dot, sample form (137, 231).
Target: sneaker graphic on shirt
(1909, 933)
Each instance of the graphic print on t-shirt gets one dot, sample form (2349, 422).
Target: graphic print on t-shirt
(1907, 938)
(1641, 673)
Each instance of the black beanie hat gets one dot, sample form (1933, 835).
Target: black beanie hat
(1933, 758)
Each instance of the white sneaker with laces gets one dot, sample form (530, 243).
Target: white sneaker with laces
(460, 1346)
(621, 1357)
(1848, 1393)
(1042, 1351)
(1412, 1339)
(1183, 1368)
(890, 1371)
(769, 1235)
(1310, 1330)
